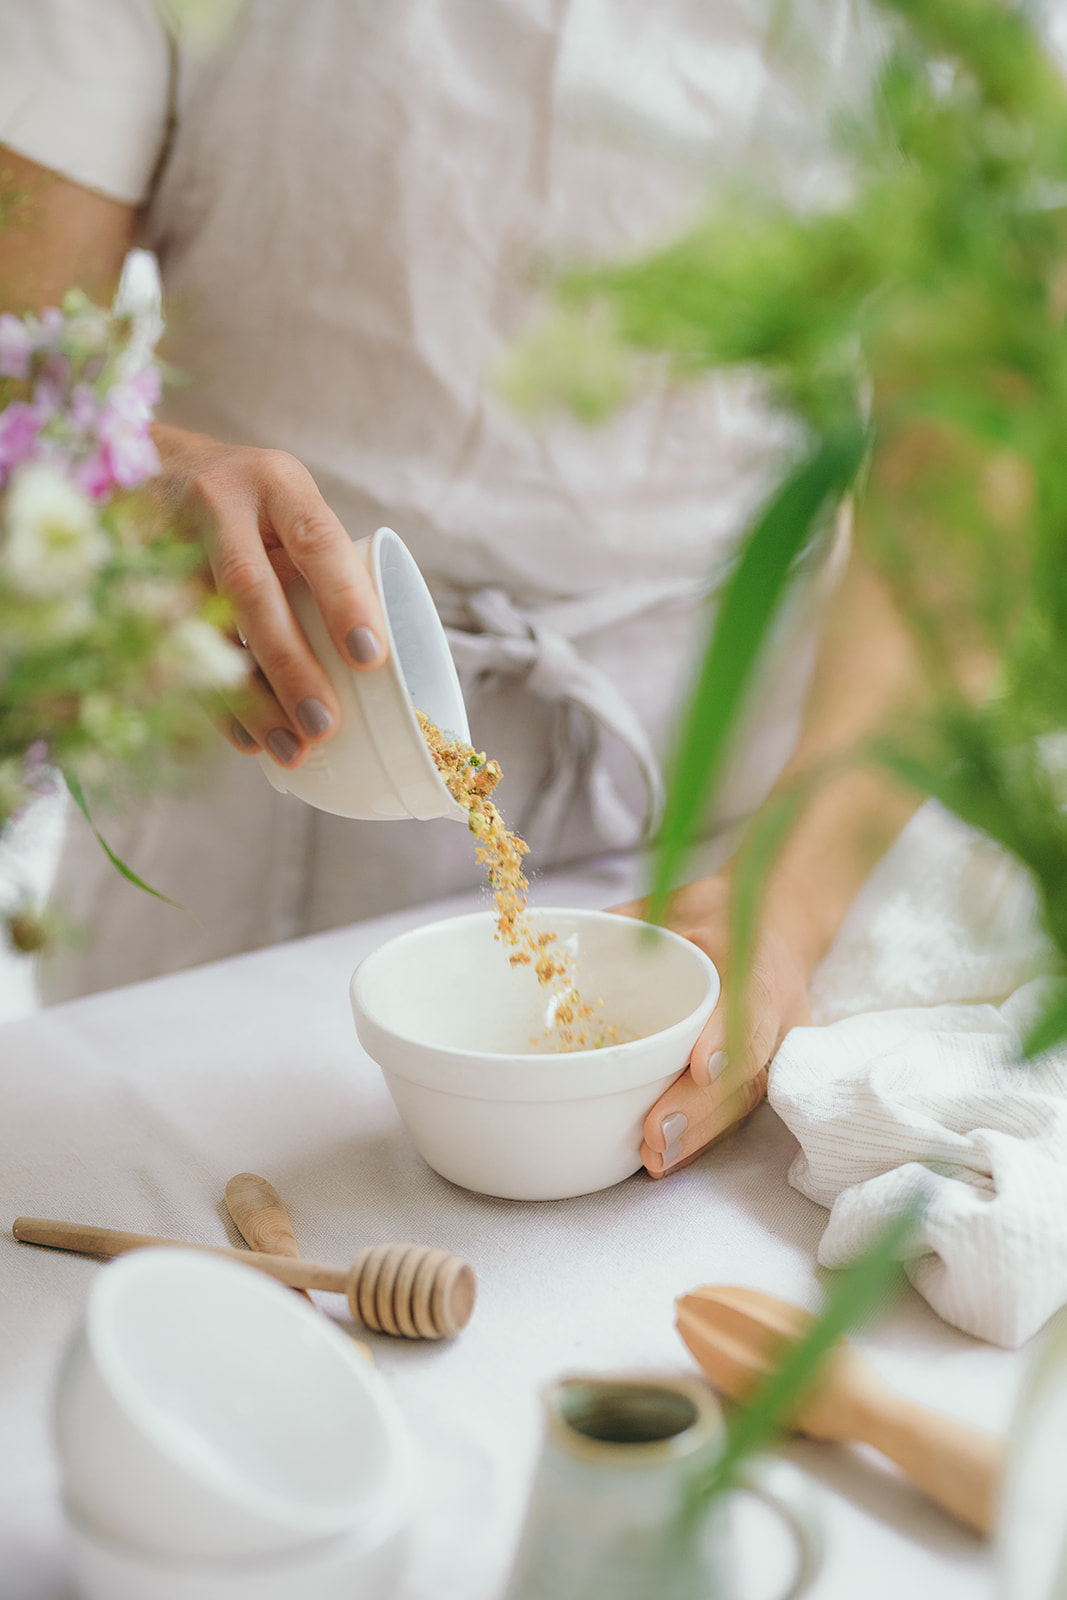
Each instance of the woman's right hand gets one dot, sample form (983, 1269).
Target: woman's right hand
(264, 523)
(715, 1093)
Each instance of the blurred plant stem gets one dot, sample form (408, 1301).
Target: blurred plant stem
(856, 1293)
(914, 338)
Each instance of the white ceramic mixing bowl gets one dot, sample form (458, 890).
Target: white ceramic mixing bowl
(205, 1411)
(459, 1035)
(378, 765)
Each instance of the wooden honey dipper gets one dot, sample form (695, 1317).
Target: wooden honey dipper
(404, 1289)
(260, 1217)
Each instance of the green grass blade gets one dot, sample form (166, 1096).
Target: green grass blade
(1018, 811)
(1050, 1030)
(965, 789)
(750, 602)
(77, 794)
(855, 1292)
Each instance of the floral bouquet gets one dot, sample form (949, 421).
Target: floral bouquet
(107, 634)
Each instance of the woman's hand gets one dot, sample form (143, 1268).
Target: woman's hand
(867, 675)
(714, 1093)
(264, 524)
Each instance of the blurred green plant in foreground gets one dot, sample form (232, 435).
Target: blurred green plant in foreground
(858, 1293)
(915, 336)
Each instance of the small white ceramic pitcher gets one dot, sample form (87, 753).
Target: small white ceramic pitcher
(612, 1513)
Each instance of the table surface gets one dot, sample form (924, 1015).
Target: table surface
(132, 1109)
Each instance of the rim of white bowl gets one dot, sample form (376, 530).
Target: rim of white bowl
(317, 1330)
(609, 1053)
(303, 1560)
(385, 696)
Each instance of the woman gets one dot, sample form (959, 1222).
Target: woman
(345, 201)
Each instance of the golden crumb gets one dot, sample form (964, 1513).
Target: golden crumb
(470, 779)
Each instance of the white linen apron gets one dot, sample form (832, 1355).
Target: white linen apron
(345, 219)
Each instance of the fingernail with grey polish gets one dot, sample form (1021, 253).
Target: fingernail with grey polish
(363, 645)
(242, 736)
(718, 1062)
(283, 745)
(673, 1127)
(314, 717)
(672, 1154)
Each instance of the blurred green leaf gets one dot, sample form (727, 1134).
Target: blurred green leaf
(77, 794)
(998, 47)
(854, 1294)
(1051, 1030)
(1009, 795)
(749, 604)
(936, 286)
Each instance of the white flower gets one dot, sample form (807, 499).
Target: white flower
(87, 332)
(68, 617)
(96, 714)
(52, 542)
(195, 655)
(116, 729)
(159, 599)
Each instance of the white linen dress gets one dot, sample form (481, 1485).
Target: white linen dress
(347, 199)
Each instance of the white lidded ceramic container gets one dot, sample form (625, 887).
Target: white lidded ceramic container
(378, 766)
(460, 1037)
(205, 1414)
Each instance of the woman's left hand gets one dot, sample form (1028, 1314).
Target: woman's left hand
(714, 1093)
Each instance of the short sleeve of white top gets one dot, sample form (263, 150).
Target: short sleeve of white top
(85, 89)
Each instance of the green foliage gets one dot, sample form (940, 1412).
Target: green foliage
(578, 359)
(90, 678)
(856, 1293)
(77, 794)
(931, 303)
(749, 605)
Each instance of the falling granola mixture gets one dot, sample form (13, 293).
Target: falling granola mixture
(470, 779)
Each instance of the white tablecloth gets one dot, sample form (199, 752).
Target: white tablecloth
(132, 1109)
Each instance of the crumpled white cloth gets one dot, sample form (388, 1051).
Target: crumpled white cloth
(911, 1081)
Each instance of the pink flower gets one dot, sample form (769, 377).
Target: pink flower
(132, 458)
(48, 400)
(16, 347)
(19, 426)
(96, 436)
(123, 429)
(84, 408)
(36, 774)
(50, 327)
(147, 385)
(55, 373)
(94, 476)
